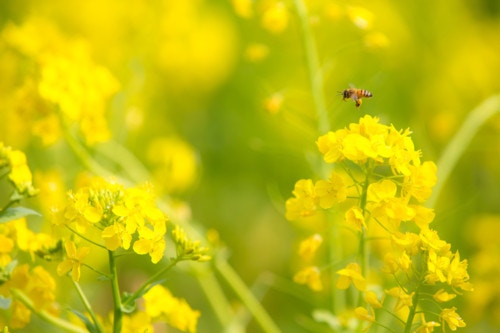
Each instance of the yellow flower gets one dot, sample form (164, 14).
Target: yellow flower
(74, 260)
(120, 215)
(420, 181)
(6, 247)
(116, 236)
(305, 202)
(351, 274)
(309, 276)
(354, 218)
(243, 8)
(37, 285)
(371, 298)
(358, 148)
(381, 191)
(19, 173)
(331, 191)
(431, 241)
(403, 300)
(423, 216)
(408, 241)
(274, 103)
(425, 326)
(458, 277)
(80, 89)
(451, 318)
(437, 267)
(330, 145)
(151, 242)
(309, 246)
(137, 322)
(161, 305)
(362, 314)
(275, 18)
(174, 164)
(360, 16)
(442, 296)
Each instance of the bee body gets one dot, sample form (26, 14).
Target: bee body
(356, 95)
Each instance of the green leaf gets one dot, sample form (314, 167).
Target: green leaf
(14, 213)
(88, 324)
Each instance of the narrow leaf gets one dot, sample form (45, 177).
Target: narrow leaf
(14, 213)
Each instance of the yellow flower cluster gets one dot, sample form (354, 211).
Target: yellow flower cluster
(36, 285)
(161, 305)
(121, 217)
(18, 170)
(66, 86)
(381, 182)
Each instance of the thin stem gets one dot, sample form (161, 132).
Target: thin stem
(253, 306)
(413, 309)
(216, 298)
(150, 281)
(96, 271)
(461, 141)
(81, 152)
(313, 67)
(87, 306)
(85, 238)
(57, 322)
(117, 302)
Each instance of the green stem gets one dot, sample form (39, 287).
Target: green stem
(314, 70)
(117, 302)
(57, 322)
(413, 309)
(216, 298)
(461, 141)
(85, 238)
(87, 306)
(81, 152)
(148, 283)
(335, 248)
(253, 306)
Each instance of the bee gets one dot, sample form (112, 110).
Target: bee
(356, 95)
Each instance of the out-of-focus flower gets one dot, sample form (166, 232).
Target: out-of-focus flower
(452, 318)
(196, 47)
(376, 40)
(403, 300)
(160, 305)
(37, 285)
(351, 274)
(331, 191)
(309, 246)
(243, 8)
(174, 164)
(310, 276)
(274, 103)
(305, 202)
(360, 16)
(275, 18)
(18, 170)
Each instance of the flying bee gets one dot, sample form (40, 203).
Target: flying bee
(356, 95)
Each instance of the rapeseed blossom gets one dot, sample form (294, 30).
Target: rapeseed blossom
(122, 218)
(379, 182)
(160, 304)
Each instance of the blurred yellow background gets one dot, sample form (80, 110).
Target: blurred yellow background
(214, 98)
